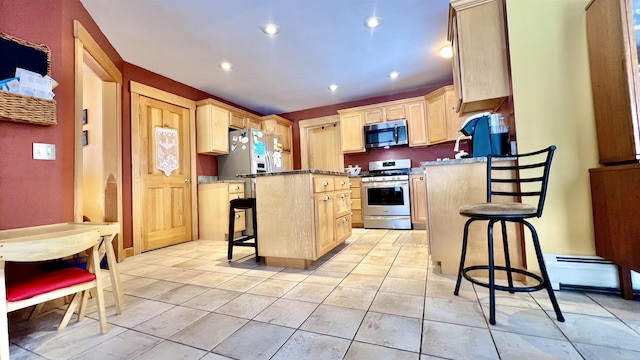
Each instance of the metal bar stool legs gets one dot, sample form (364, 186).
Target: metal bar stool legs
(242, 204)
(543, 282)
(543, 269)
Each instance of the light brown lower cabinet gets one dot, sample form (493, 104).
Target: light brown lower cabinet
(418, 192)
(213, 209)
(301, 217)
(356, 202)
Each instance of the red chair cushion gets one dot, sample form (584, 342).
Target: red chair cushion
(42, 282)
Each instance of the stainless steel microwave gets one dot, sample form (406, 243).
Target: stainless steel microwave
(386, 134)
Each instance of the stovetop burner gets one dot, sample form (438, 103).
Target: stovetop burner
(390, 167)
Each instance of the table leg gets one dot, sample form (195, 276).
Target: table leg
(116, 285)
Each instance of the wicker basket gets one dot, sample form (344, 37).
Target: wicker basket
(27, 109)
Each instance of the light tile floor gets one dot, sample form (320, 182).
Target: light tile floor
(368, 299)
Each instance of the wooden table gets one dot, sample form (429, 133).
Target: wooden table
(108, 232)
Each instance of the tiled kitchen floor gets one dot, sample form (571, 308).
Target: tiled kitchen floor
(369, 299)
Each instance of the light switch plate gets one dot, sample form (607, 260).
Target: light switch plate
(44, 151)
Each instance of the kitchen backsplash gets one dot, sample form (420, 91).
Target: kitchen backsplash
(417, 155)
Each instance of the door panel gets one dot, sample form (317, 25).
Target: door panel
(166, 199)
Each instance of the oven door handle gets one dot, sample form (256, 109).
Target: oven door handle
(385, 184)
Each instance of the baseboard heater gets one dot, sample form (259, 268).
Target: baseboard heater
(585, 272)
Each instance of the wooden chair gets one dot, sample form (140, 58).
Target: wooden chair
(21, 291)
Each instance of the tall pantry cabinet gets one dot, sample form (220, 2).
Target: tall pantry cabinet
(615, 187)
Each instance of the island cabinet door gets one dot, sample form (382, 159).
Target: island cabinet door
(343, 228)
(342, 203)
(324, 207)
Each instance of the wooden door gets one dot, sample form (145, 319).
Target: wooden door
(324, 148)
(165, 195)
(324, 223)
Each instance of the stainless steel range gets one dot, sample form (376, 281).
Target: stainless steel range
(385, 195)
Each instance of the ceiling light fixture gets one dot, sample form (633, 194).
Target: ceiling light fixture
(333, 87)
(394, 74)
(271, 29)
(372, 22)
(446, 52)
(226, 66)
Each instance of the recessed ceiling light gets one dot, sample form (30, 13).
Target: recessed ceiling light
(372, 22)
(393, 74)
(270, 29)
(446, 52)
(333, 87)
(226, 66)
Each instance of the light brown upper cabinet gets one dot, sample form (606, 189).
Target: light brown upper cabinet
(353, 120)
(373, 115)
(480, 66)
(212, 128)
(242, 120)
(443, 122)
(613, 58)
(351, 131)
(277, 125)
(417, 123)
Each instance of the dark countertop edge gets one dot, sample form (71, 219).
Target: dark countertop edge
(220, 181)
(462, 161)
(294, 172)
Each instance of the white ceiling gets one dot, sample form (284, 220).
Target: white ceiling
(320, 42)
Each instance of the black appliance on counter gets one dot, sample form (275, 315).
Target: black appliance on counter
(488, 135)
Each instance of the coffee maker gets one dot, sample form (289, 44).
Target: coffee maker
(489, 135)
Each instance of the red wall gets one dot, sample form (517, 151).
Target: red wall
(34, 192)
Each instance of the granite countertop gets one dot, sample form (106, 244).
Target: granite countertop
(294, 172)
(219, 181)
(461, 161)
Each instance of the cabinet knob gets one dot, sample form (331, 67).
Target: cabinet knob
(421, 178)
(237, 216)
(341, 182)
(343, 195)
(326, 198)
(237, 187)
(325, 183)
(344, 220)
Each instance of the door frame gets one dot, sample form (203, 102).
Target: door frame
(137, 90)
(89, 53)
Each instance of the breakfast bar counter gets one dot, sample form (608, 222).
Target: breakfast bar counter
(302, 215)
(451, 184)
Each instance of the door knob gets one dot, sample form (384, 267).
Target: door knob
(187, 181)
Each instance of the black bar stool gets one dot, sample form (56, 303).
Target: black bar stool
(244, 240)
(532, 173)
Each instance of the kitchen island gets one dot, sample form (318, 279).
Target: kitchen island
(451, 184)
(302, 215)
